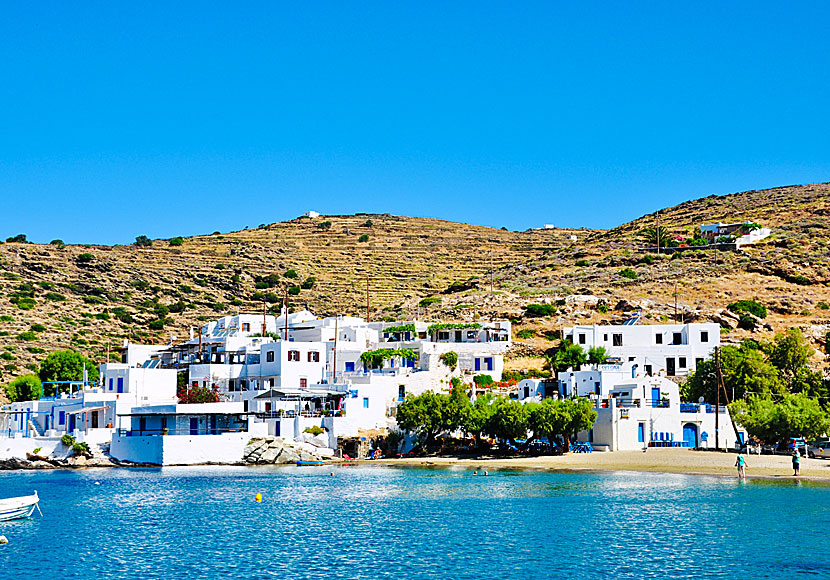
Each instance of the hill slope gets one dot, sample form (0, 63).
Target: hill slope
(91, 297)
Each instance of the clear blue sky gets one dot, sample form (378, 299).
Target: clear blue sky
(122, 119)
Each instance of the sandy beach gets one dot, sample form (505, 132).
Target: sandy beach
(657, 460)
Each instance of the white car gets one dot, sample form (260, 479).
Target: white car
(820, 449)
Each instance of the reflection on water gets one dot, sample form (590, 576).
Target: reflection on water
(378, 522)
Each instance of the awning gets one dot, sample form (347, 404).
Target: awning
(87, 410)
(298, 393)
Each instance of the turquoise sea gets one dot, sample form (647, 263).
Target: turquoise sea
(411, 523)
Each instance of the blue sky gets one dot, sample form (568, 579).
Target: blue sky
(165, 119)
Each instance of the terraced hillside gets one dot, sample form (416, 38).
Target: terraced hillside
(91, 297)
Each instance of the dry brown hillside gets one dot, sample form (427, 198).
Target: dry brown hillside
(91, 297)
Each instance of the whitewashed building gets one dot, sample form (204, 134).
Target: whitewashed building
(673, 349)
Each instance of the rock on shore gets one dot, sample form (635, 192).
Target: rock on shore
(270, 450)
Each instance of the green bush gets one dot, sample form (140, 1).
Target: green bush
(177, 241)
(6, 318)
(746, 322)
(7, 356)
(143, 241)
(80, 448)
(219, 306)
(450, 359)
(28, 335)
(628, 273)
(184, 288)
(294, 290)
(483, 380)
(37, 328)
(314, 430)
(19, 239)
(748, 307)
(324, 225)
(429, 301)
(582, 263)
(526, 333)
(540, 310)
(647, 259)
(85, 258)
(156, 324)
(25, 303)
(801, 280)
(57, 242)
(102, 316)
(57, 297)
(363, 238)
(823, 305)
(602, 307)
(68, 440)
(308, 283)
(292, 273)
(93, 300)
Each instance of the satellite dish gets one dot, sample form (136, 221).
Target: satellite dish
(700, 400)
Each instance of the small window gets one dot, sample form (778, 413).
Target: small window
(269, 356)
(631, 359)
(365, 402)
(294, 355)
(648, 369)
(303, 383)
(681, 362)
(658, 339)
(489, 362)
(313, 356)
(246, 327)
(471, 335)
(581, 339)
(605, 338)
(704, 336)
(231, 385)
(617, 339)
(677, 338)
(443, 336)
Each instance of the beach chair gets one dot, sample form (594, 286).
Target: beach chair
(588, 447)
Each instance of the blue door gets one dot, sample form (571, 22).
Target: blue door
(690, 435)
(71, 424)
(194, 426)
(213, 430)
(478, 364)
(641, 432)
(655, 395)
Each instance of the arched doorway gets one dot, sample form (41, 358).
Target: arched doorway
(690, 435)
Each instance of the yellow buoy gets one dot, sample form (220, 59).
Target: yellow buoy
(258, 498)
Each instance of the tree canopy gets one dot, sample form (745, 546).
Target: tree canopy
(775, 420)
(25, 388)
(66, 365)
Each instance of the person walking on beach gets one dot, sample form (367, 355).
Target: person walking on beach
(740, 463)
(796, 463)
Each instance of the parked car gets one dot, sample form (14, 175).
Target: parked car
(820, 449)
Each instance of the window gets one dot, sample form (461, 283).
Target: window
(110, 384)
(243, 385)
(698, 361)
(605, 338)
(471, 334)
(365, 402)
(648, 369)
(704, 336)
(617, 339)
(443, 336)
(677, 338)
(658, 339)
(401, 392)
(61, 417)
(246, 327)
(350, 367)
(478, 364)
(313, 356)
(303, 383)
(581, 339)
(269, 356)
(631, 359)
(231, 385)
(681, 362)
(489, 363)
(120, 385)
(294, 355)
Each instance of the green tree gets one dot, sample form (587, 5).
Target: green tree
(548, 419)
(450, 359)
(597, 355)
(423, 415)
(775, 421)
(508, 421)
(479, 415)
(65, 365)
(582, 417)
(25, 388)
(790, 353)
(744, 369)
(143, 241)
(456, 407)
(654, 237)
(568, 355)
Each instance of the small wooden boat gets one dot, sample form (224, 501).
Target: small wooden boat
(18, 507)
(301, 462)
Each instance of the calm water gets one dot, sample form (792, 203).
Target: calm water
(411, 524)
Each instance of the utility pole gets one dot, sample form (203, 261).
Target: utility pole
(491, 270)
(658, 231)
(675, 301)
(717, 399)
(367, 297)
(334, 366)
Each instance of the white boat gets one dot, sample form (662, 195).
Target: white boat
(18, 507)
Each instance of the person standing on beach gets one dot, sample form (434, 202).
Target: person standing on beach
(796, 463)
(740, 463)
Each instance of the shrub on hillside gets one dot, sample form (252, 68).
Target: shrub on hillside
(540, 310)
(363, 238)
(628, 273)
(294, 290)
(292, 273)
(177, 241)
(748, 307)
(525, 333)
(143, 241)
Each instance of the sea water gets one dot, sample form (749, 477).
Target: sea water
(411, 523)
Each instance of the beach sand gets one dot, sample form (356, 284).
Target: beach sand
(657, 460)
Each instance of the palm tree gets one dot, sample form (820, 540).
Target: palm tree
(655, 236)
